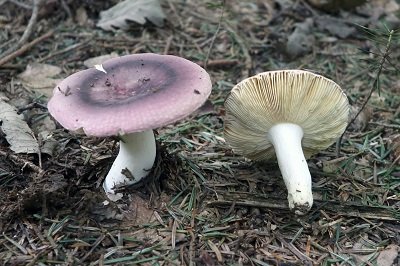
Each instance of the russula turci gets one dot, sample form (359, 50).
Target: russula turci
(290, 114)
(129, 96)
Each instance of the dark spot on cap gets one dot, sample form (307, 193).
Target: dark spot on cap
(119, 91)
(196, 92)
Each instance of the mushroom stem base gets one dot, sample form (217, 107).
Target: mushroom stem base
(286, 138)
(134, 161)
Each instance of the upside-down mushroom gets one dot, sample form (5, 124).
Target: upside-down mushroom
(290, 114)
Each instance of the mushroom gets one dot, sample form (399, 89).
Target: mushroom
(292, 113)
(129, 96)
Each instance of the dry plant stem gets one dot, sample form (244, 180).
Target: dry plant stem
(248, 61)
(168, 44)
(23, 162)
(192, 239)
(25, 48)
(29, 28)
(77, 46)
(339, 208)
(215, 35)
(67, 9)
(304, 259)
(18, 3)
(219, 63)
(31, 24)
(375, 85)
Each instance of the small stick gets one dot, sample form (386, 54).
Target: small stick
(304, 259)
(76, 46)
(375, 85)
(219, 63)
(25, 48)
(24, 163)
(67, 9)
(29, 28)
(31, 23)
(215, 35)
(248, 61)
(32, 105)
(168, 44)
(15, 2)
(340, 208)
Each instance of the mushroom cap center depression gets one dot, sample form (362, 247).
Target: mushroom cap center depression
(126, 83)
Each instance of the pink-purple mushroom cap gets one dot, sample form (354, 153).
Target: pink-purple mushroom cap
(137, 93)
(129, 96)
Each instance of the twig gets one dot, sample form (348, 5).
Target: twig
(65, 50)
(385, 125)
(25, 48)
(248, 62)
(31, 23)
(66, 8)
(168, 44)
(18, 3)
(23, 162)
(215, 35)
(32, 105)
(94, 246)
(340, 208)
(375, 85)
(219, 63)
(192, 239)
(29, 28)
(305, 260)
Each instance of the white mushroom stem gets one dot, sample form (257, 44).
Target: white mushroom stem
(286, 138)
(137, 153)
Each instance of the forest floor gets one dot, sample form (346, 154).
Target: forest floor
(207, 206)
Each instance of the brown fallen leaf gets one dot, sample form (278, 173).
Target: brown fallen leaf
(16, 130)
(91, 62)
(137, 11)
(388, 256)
(139, 212)
(362, 119)
(335, 26)
(40, 78)
(301, 42)
(394, 144)
(81, 16)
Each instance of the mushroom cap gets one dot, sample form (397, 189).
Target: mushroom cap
(315, 103)
(138, 92)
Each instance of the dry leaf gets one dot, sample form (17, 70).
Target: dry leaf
(18, 134)
(362, 119)
(98, 60)
(394, 144)
(44, 129)
(388, 256)
(81, 16)
(388, 6)
(138, 11)
(40, 78)
(335, 26)
(139, 213)
(301, 42)
(332, 166)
